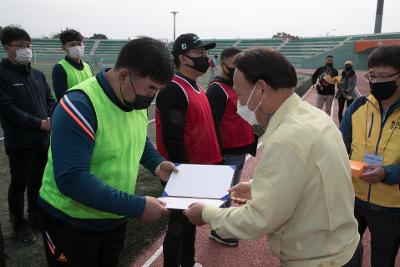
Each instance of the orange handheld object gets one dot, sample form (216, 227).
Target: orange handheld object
(357, 168)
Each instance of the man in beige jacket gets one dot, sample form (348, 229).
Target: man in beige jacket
(301, 195)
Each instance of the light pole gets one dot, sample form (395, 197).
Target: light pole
(174, 13)
(379, 15)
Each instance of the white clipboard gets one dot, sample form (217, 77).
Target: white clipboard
(207, 184)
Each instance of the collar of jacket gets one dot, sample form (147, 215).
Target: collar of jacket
(371, 99)
(221, 79)
(350, 74)
(78, 66)
(290, 104)
(16, 67)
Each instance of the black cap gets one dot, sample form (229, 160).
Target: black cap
(188, 41)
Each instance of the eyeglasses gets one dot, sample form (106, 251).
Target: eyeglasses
(371, 77)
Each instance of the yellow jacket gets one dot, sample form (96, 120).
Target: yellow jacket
(302, 195)
(364, 132)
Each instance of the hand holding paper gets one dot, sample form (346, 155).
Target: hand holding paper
(165, 169)
(154, 210)
(194, 213)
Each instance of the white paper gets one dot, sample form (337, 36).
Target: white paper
(183, 203)
(207, 184)
(200, 181)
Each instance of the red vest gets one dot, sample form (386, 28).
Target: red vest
(199, 136)
(234, 131)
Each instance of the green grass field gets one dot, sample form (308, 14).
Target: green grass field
(138, 236)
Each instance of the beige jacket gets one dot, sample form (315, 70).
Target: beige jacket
(302, 194)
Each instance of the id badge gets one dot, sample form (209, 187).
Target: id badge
(373, 159)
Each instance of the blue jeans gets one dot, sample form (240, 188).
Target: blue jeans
(238, 161)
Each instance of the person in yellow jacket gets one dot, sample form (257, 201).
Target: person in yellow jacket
(71, 70)
(301, 195)
(371, 132)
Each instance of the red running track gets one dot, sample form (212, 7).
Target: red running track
(249, 252)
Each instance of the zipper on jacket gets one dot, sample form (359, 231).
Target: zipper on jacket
(383, 120)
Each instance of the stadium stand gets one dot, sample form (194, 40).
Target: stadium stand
(306, 52)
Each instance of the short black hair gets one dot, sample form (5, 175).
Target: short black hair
(329, 56)
(385, 56)
(147, 57)
(13, 33)
(268, 65)
(229, 52)
(69, 35)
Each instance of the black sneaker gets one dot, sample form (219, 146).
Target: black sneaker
(24, 234)
(226, 242)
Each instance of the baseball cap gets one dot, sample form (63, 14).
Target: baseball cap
(348, 62)
(188, 41)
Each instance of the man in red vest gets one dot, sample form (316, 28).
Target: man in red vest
(185, 133)
(235, 135)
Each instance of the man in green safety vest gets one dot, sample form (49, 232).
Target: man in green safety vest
(71, 70)
(98, 140)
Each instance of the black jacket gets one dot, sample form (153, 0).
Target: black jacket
(25, 100)
(330, 89)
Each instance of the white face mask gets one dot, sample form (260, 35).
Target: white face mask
(23, 55)
(76, 51)
(246, 113)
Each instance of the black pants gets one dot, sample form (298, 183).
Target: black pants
(2, 253)
(67, 245)
(341, 101)
(385, 234)
(26, 169)
(179, 241)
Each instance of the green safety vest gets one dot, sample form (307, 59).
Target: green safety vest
(75, 76)
(119, 144)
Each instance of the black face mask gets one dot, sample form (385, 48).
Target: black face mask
(140, 102)
(348, 68)
(383, 90)
(199, 63)
(330, 65)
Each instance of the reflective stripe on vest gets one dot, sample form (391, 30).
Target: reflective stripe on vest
(119, 143)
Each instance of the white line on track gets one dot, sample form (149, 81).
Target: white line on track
(152, 259)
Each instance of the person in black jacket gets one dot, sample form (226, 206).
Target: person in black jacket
(325, 89)
(25, 105)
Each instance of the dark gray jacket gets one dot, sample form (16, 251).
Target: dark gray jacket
(348, 84)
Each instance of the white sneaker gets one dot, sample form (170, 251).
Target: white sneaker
(197, 264)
